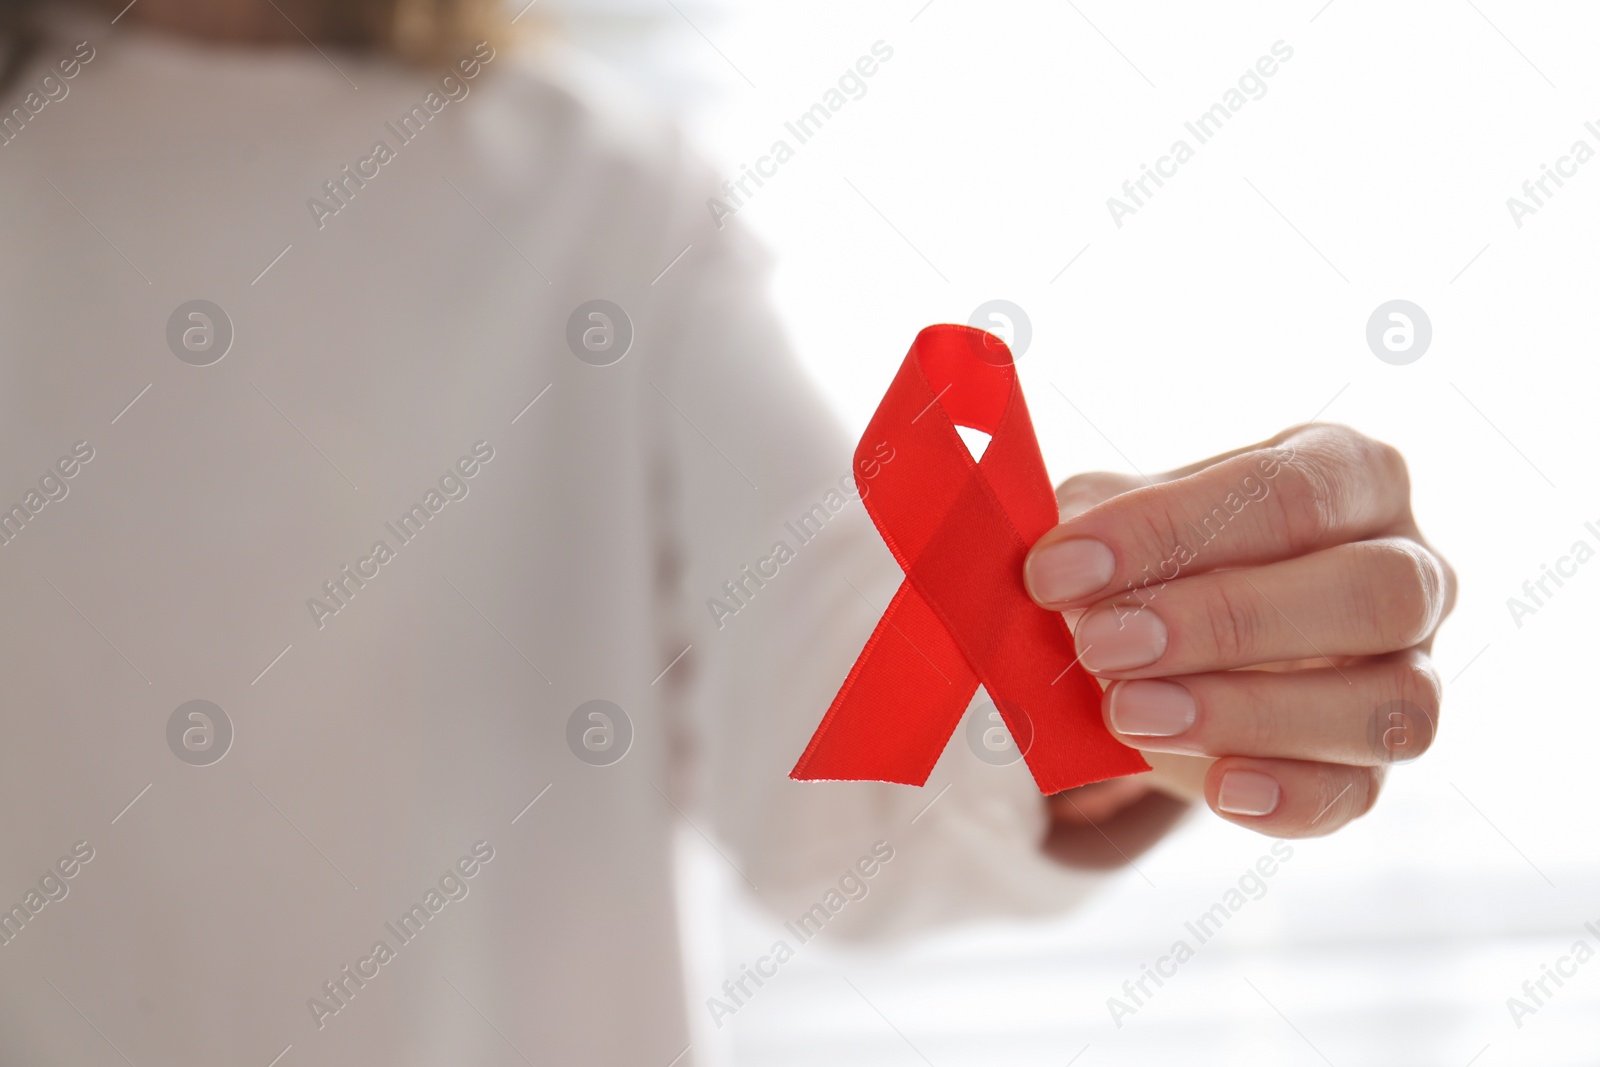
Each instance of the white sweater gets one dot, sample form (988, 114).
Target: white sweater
(394, 710)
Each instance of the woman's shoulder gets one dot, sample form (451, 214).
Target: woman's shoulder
(554, 99)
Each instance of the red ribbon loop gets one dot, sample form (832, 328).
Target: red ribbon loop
(960, 529)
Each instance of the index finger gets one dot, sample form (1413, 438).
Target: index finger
(1311, 488)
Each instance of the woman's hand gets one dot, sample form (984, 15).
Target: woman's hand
(1272, 607)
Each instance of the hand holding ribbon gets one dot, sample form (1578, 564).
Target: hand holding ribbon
(960, 529)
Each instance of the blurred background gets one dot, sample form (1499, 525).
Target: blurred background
(1375, 166)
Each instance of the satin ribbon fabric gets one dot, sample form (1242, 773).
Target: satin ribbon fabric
(960, 529)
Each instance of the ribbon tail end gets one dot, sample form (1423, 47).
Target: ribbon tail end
(1053, 780)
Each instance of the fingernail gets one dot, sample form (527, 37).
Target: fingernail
(1120, 638)
(1248, 793)
(1068, 570)
(1151, 709)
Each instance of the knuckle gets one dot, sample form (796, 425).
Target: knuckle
(1330, 469)
(1419, 686)
(1307, 509)
(1258, 729)
(1391, 465)
(1368, 783)
(1406, 720)
(1157, 532)
(1401, 596)
(1342, 795)
(1328, 796)
(1233, 623)
(1368, 456)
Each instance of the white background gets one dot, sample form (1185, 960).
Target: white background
(1377, 166)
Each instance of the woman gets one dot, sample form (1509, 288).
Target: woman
(400, 408)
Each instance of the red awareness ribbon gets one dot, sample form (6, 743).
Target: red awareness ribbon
(960, 529)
